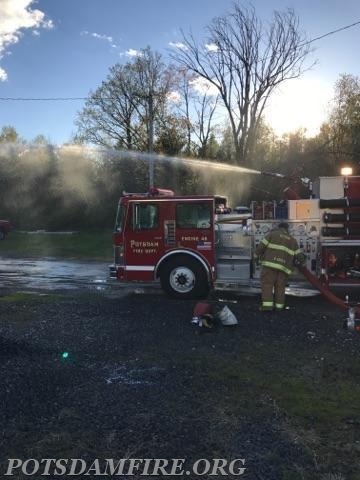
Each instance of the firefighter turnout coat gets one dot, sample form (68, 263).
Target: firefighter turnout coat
(278, 250)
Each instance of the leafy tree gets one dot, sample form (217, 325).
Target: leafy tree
(344, 122)
(152, 84)
(40, 140)
(109, 117)
(226, 152)
(9, 135)
(171, 137)
(211, 148)
(245, 62)
(123, 111)
(318, 160)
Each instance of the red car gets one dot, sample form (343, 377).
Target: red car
(5, 227)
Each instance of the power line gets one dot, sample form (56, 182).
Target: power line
(72, 99)
(334, 31)
(41, 99)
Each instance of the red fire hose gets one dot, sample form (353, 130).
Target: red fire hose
(324, 290)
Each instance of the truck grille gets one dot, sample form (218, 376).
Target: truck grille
(170, 239)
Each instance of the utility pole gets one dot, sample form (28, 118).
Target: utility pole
(151, 140)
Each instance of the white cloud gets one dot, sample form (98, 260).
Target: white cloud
(99, 36)
(102, 37)
(133, 53)
(16, 16)
(179, 45)
(211, 47)
(203, 86)
(3, 75)
(174, 97)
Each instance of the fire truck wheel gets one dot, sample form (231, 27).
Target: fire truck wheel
(183, 277)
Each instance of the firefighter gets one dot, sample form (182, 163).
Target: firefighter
(278, 253)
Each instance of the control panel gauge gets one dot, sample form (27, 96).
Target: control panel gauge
(313, 231)
(301, 230)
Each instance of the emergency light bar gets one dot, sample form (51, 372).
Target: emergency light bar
(153, 192)
(160, 192)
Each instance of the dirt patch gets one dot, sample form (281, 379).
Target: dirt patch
(91, 377)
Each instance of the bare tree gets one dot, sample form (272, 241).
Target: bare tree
(204, 106)
(197, 108)
(185, 92)
(246, 61)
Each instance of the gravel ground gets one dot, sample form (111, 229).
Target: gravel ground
(279, 390)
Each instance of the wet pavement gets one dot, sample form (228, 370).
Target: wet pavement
(54, 275)
(51, 274)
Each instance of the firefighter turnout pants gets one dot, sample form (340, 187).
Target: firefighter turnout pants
(273, 283)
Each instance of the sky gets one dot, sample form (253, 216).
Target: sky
(64, 49)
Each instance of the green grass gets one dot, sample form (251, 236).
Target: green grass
(322, 411)
(322, 404)
(25, 297)
(79, 245)
(311, 396)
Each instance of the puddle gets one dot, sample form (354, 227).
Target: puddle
(134, 376)
(51, 275)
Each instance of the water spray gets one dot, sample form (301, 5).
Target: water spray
(129, 154)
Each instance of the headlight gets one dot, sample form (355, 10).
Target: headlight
(119, 254)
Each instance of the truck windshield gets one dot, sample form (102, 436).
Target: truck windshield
(120, 217)
(193, 215)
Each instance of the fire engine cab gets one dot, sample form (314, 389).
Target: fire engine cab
(182, 242)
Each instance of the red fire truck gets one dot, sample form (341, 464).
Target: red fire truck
(182, 242)
(5, 227)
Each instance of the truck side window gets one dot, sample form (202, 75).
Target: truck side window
(193, 215)
(120, 217)
(145, 216)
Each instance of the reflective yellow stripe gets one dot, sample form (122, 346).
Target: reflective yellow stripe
(275, 246)
(267, 305)
(279, 306)
(276, 266)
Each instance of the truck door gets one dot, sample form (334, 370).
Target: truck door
(194, 224)
(144, 241)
